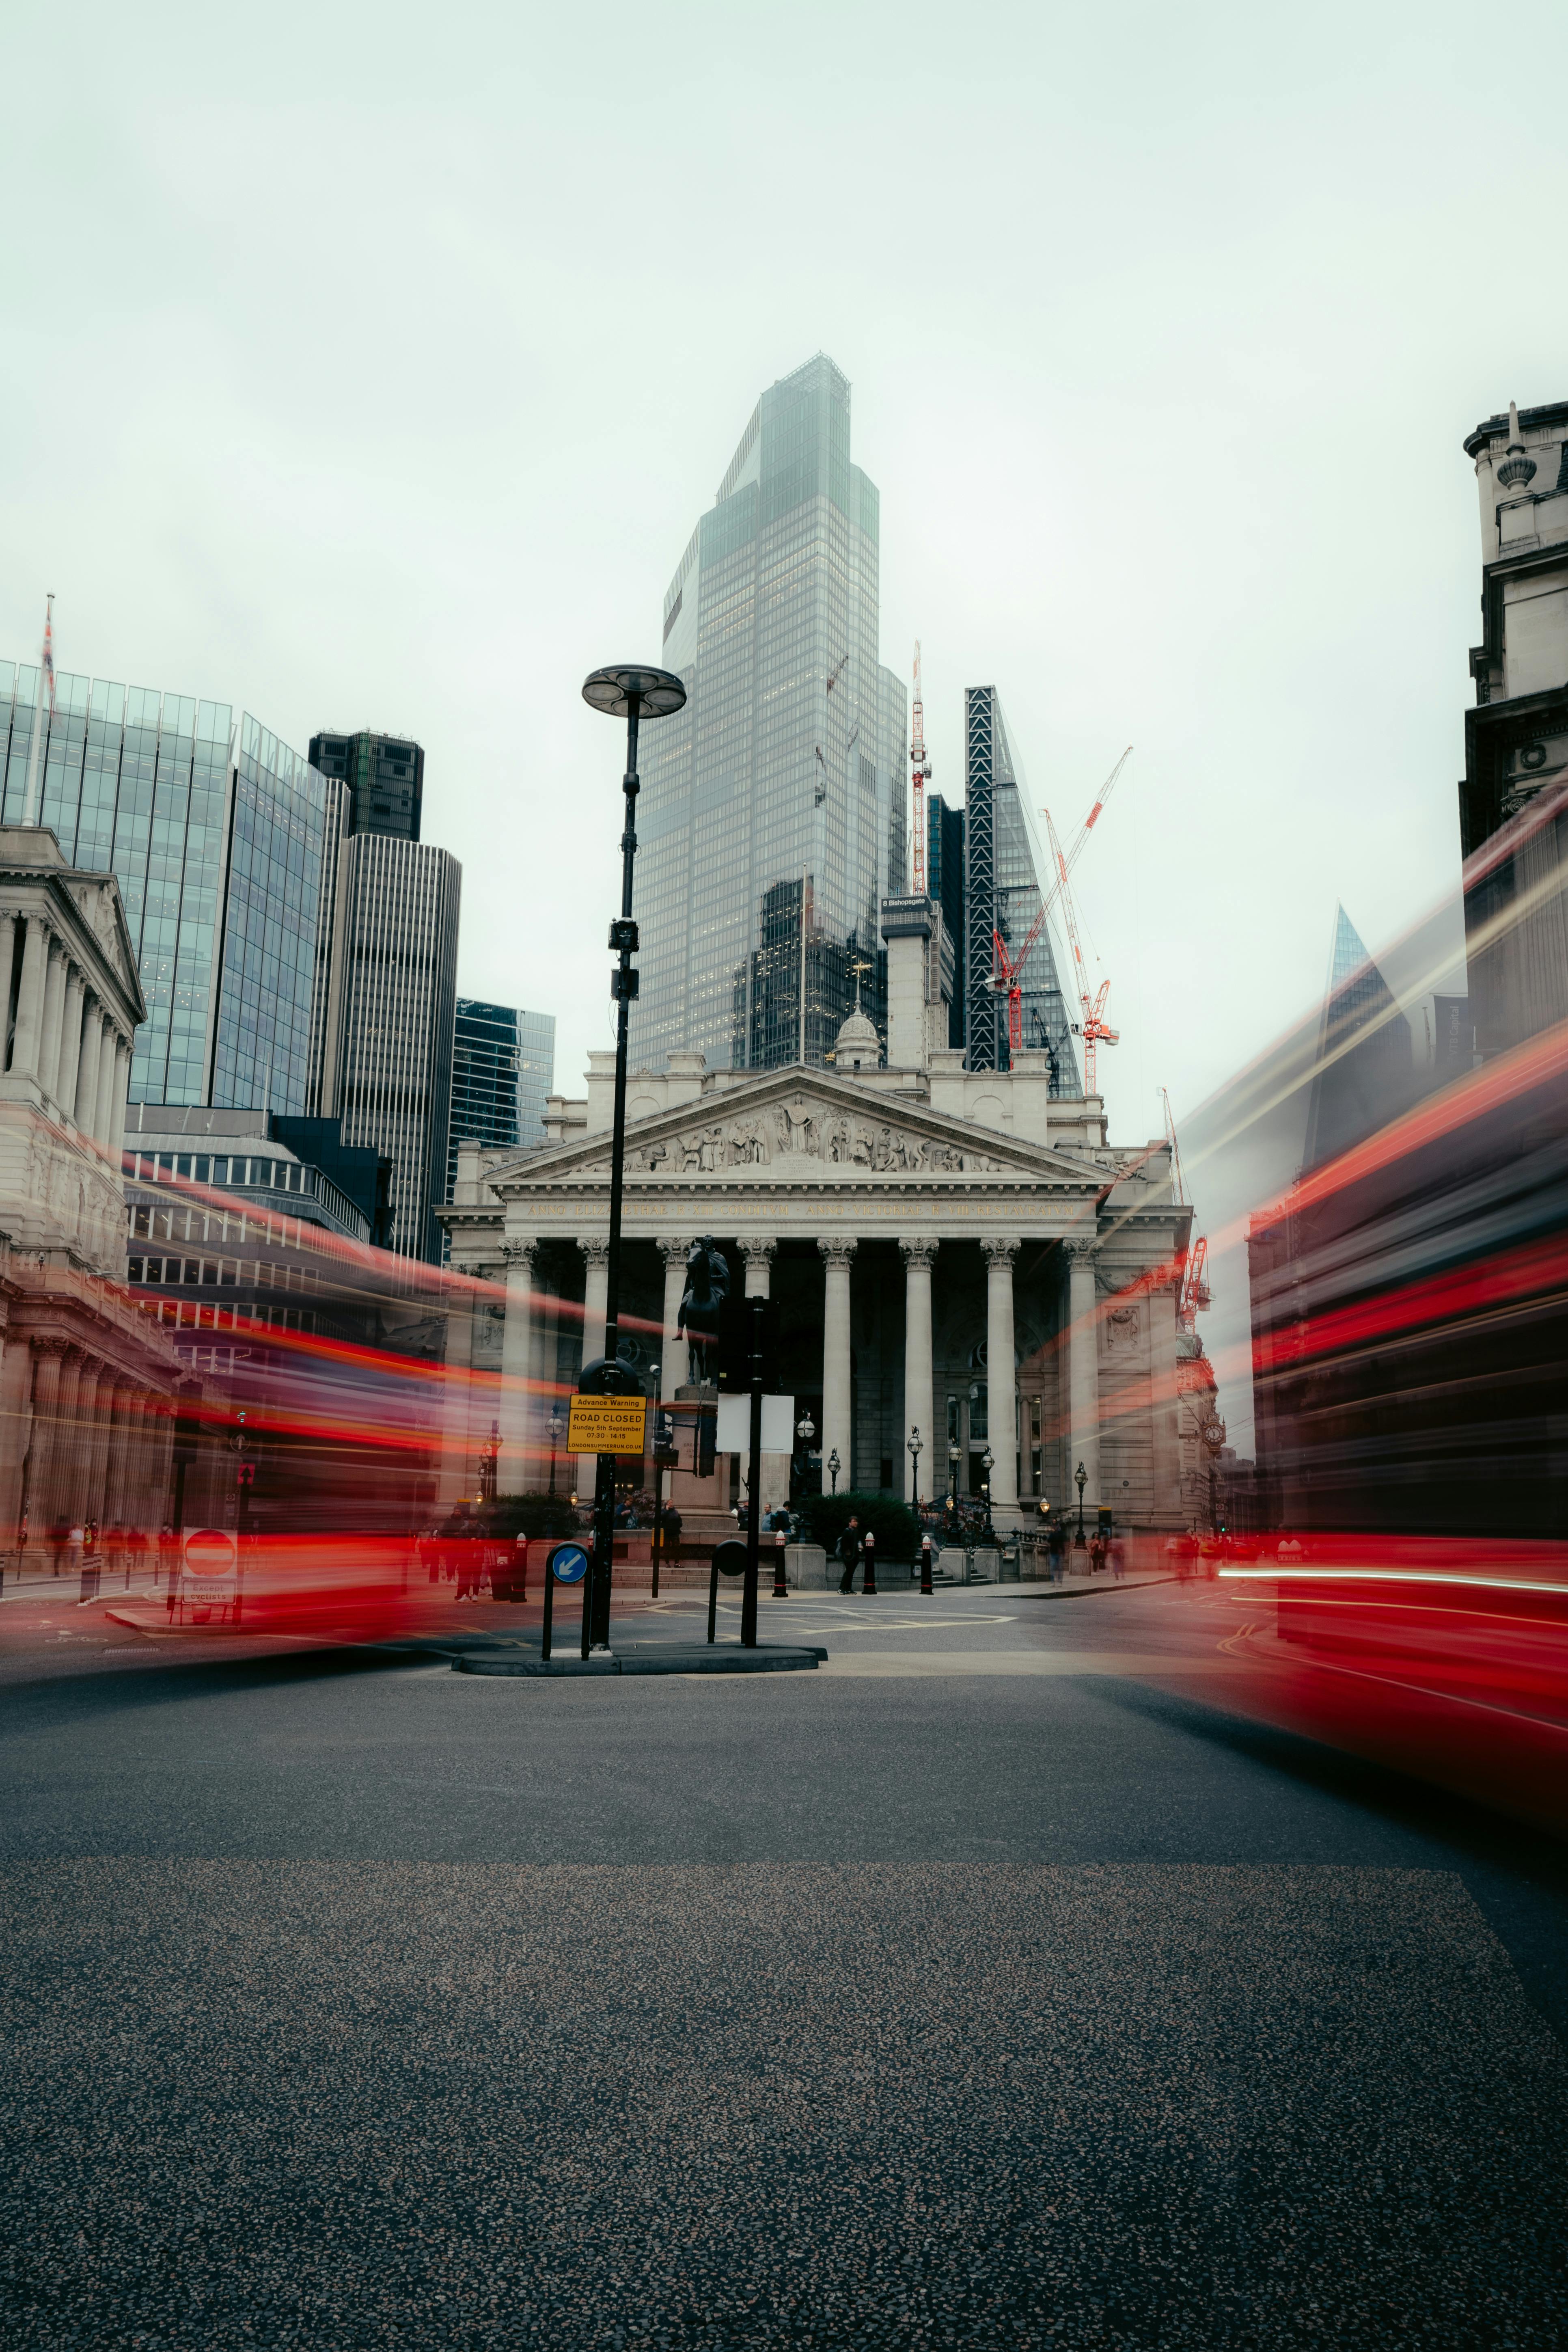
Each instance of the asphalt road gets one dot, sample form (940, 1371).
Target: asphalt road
(998, 1984)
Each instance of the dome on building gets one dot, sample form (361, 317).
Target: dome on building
(858, 1046)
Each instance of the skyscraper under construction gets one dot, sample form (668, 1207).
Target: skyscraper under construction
(771, 824)
(1003, 862)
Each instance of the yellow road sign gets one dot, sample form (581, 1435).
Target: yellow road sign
(607, 1424)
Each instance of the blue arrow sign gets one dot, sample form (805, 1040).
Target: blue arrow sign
(568, 1563)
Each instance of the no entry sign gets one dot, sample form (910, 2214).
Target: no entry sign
(212, 1558)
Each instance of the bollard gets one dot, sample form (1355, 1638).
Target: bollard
(780, 1587)
(868, 1557)
(925, 1585)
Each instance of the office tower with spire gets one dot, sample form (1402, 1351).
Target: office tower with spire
(771, 824)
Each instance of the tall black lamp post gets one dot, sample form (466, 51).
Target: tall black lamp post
(557, 1432)
(1081, 1480)
(631, 692)
(988, 1463)
(916, 1448)
(954, 1458)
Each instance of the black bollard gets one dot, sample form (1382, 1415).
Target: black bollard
(868, 1582)
(780, 1587)
(925, 1585)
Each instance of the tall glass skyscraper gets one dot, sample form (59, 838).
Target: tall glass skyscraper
(1003, 861)
(215, 834)
(787, 766)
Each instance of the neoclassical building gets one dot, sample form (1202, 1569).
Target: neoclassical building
(87, 1382)
(961, 1262)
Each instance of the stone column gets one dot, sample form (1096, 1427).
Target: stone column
(123, 1439)
(1164, 1406)
(29, 1037)
(759, 1251)
(70, 1042)
(7, 952)
(1001, 1373)
(54, 1010)
(455, 1390)
(595, 1297)
(92, 1389)
(108, 1072)
(516, 1417)
(838, 1381)
(63, 1498)
(924, 1472)
(1083, 1372)
(48, 1364)
(86, 1068)
(117, 1120)
(672, 1358)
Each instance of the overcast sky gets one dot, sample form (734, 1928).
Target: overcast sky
(370, 368)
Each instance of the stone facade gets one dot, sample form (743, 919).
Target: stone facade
(956, 1257)
(88, 1386)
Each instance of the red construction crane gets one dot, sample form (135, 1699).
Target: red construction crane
(1006, 977)
(920, 777)
(1195, 1291)
(1094, 1029)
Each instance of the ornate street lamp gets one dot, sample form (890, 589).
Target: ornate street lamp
(988, 1464)
(916, 1448)
(835, 1467)
(1081, 1480)
(954, 1458)
(631, 692)
(557, 1432)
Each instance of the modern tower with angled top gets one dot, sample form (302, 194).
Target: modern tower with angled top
(771, 825)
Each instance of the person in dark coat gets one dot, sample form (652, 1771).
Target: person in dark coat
(849, 1552)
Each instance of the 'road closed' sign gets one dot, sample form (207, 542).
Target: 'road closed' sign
(607, 1424)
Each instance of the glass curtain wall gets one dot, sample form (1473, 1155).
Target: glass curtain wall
(787, 765)
(149, 786)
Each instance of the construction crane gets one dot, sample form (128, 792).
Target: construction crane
(920, 776)
(1007, 975)
(1194, 1291)
(1094, 1029)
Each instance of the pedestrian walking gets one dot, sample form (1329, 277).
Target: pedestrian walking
(1118, 1552)
(670, 1529)
(1056, 1545)
(849, 1554)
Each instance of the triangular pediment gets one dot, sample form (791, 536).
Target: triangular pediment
(796, 1123)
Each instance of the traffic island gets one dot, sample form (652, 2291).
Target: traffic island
(651, 1658)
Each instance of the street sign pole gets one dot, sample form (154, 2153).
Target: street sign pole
(757, 1310)
(632, 693)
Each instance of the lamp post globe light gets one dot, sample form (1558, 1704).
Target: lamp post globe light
(557, 1432)
(916, 1448)
(632, 692)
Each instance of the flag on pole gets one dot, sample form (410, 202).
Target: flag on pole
(50, 651)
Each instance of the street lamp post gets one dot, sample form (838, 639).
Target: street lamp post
(916, 1448)
(557, 1432)
(954, 1458)
(626, 690)
(988, 1464)
(1081, 1480)
(835, 1467)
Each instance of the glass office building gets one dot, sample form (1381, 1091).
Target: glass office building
(503, 1068)
(383, 775)
(394, 982)
(1003, 860)
(788, 764)
(215, 834)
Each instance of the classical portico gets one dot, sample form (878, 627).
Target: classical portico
(996, 1284)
